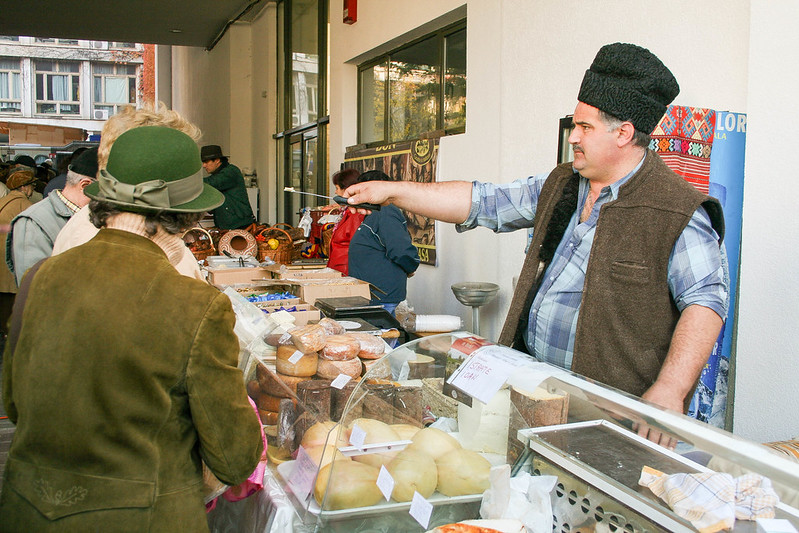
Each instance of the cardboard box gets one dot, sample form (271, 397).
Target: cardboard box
(230, 276)
(302, 314)
(310, 290)
(302, 272)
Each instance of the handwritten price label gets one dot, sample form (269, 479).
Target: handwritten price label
(483, 373)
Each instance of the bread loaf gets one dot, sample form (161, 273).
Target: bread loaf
(340, 348)
(331, 369)
(301, 365)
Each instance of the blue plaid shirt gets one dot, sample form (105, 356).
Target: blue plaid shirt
(697, 267)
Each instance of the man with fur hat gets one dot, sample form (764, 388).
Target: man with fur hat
(623, 281)
(236, 212)
(34, 231)
(20, 184)
(138, 397)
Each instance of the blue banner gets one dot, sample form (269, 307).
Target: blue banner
(727, 184)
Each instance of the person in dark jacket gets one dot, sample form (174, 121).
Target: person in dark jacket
(381, 251)
(236, 212)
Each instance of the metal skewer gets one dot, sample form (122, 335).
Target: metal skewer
(340, 200)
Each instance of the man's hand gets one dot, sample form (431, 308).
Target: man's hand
(368, 192)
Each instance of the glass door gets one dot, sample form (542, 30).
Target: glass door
(302, 154)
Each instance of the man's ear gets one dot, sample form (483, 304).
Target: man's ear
(84, 182)
(625, 133)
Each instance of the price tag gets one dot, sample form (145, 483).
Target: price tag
(357, 436)
(284, 338)
(340, 381)
(421, 509)
(302, 477)
(296, 356)
(385, 482)
(482, 374)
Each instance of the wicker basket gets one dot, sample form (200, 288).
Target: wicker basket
(285, 248)
(199, 242)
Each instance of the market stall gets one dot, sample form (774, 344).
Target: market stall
(442, 429)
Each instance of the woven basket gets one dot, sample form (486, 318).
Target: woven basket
(285, 248)
(296, 234)
(199, 242)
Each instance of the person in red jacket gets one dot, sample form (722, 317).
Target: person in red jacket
(346, 226)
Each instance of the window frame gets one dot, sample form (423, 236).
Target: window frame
(46, 74)
(114, 107)
(441, 35)
(11, 73)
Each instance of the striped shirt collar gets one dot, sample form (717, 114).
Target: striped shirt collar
(71, 205)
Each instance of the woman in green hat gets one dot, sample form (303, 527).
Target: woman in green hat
(123, 377)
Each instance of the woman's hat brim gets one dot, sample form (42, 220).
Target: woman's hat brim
(208, 200)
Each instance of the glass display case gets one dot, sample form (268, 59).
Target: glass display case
(409, 446)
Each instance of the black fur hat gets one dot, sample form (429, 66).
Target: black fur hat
(629, 83)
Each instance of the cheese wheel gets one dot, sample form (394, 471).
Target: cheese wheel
(267, 402)
(371, 346)
(310, 338)
(331, 369)
(305, 366)
(275, 389)
(253, 389)
(268, 418)
(340, 348)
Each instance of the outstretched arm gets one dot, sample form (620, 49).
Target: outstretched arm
(448, 201)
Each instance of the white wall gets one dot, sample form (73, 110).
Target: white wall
(766, 399)
(230, 93)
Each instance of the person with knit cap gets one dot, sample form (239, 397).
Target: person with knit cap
(624, 281)
(34, 231)
(20, 184)
(140, 362)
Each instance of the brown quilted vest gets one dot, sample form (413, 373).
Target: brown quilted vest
(627, 315)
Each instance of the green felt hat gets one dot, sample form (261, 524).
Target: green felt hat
(153, 168)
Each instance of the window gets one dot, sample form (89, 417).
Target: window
(10, 88)
(114, 86)
(12, 38)
(416, 89)
(121, 45)
(57, 87)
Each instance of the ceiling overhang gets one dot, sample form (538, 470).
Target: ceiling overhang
(172, 22)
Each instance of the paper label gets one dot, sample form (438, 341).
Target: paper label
(284, 338)
(340, 381)
(296, 356)
(486, 370)
(421, 509)
(357, 436)
(385, 482)
(302, 477)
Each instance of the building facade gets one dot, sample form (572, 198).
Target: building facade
(65, 83)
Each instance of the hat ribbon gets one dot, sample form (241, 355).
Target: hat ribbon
(154, 193)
